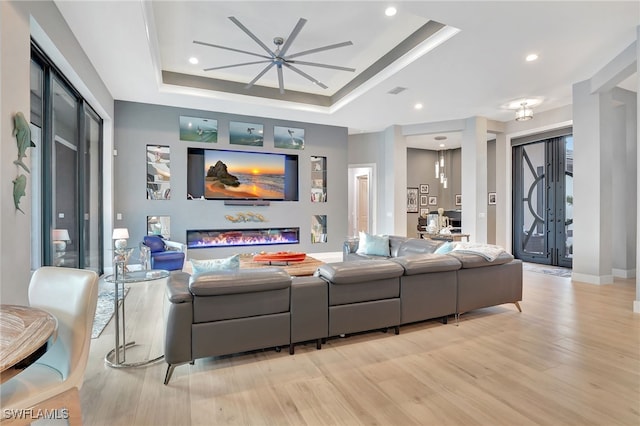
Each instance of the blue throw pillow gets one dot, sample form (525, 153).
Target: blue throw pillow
(214, 265)
(445, 248)
(373, 245)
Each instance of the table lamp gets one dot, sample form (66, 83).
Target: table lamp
(60, 238)
(120, 235)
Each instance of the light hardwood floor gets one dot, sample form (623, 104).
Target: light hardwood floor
(572, 357)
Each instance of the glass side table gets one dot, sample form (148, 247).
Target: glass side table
(120, 278)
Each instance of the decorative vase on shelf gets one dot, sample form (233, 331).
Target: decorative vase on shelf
(431, 227)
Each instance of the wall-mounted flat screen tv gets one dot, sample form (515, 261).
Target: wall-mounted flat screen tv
(217, 174)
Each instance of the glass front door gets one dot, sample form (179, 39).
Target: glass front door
(543, 201)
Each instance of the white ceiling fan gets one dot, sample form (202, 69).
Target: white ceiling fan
(279, 57)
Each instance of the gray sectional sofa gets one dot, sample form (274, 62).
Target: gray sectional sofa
(229, 312)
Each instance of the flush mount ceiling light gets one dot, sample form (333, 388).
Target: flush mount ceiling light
(390, 11)
(278, 57)
(531, 57)
(524, 113)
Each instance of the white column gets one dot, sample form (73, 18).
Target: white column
(624, 147)
(474, 179)
(504, 216)
(394, 182)
(636, 303)
(593, 209)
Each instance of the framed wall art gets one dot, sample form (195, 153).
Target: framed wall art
(492, 198)
(458, 199)
(194, 129)
(433, 200)
(246, 133)
(288, 137)
(412, 200)
(424, 188)
(159, 225)
(158, 172)
(424, 200)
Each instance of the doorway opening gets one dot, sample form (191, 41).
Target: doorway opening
(362, 215)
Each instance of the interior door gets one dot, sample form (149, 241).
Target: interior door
(543, 200)
(363, 203)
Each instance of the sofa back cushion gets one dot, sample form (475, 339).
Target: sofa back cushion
(417, 246)
(395, 242)
(244, 293)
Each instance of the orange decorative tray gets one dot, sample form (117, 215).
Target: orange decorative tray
(280, 256)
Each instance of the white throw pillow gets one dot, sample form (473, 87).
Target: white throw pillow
(214, 265)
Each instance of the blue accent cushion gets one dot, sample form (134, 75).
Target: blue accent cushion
(445, 248)
(154, 243)
(214, 265)
(373, 245)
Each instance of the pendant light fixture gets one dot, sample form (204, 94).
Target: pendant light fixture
(523, 113)
(440, 161)
(440, 169)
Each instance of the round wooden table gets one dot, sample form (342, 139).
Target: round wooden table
(25, 335)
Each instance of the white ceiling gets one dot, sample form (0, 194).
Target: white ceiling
(474, 73)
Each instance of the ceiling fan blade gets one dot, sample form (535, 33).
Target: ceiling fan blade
(292, 36)
(231, 48)
(314, 64)
(305, 75)
(280, 80)
(250, 34)
(235, 65)
(259, 76)
(320, 49)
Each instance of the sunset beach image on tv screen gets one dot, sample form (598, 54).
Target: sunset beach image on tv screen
(237, 174)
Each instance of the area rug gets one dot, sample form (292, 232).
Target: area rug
(104, 309)
(548, 270)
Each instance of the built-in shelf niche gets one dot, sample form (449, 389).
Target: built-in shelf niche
(318, 179)
(319, 229)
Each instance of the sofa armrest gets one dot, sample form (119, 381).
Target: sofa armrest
(178, 317)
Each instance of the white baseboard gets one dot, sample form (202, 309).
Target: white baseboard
(623, 273)
(592, 279)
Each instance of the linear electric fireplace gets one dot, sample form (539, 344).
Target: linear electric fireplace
(207, 238)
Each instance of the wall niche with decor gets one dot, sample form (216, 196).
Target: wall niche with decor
(318, 179)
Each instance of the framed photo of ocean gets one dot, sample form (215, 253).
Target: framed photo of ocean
(288, 137)
(194, 129)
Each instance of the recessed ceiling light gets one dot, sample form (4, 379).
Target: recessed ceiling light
(418, 106)
(531, 57)
(390, 11)
(441, 145)
(193, 60)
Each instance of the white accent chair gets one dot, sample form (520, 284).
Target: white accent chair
(54, 380)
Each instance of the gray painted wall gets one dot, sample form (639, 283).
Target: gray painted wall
(139, 125)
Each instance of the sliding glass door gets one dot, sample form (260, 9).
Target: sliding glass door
(67, 179)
